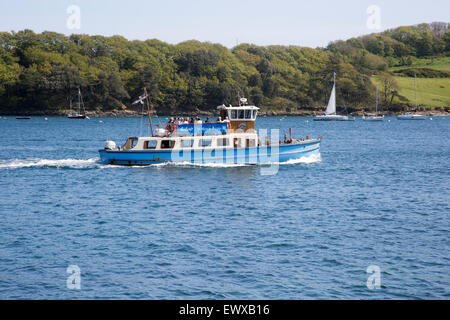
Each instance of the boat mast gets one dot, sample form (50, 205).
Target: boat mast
(415, 93)
(376, 106)
(334, 86)
(79, 101)
(148, 109)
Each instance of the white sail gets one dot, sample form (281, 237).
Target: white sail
(331, 109)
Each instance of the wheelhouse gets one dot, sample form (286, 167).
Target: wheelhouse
(242, 118)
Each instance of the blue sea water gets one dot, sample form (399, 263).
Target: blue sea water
(379, 195)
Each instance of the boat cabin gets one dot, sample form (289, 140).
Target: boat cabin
(236, 130)
(234, 140)
(242, 118)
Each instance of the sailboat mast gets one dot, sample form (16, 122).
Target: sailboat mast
(148, 109)
(376, 106)
(79, 100)
(334, 85)
(415, 92)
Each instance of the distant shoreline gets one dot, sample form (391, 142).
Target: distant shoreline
(132, 114)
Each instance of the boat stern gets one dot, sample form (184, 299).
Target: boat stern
(104, 158)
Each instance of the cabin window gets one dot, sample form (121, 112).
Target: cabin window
(130, 144)
(223, 142)
(237, 142)
(233, 114)
(151, 144)
(187, 143)
(205, 142)
(241, 114)
(250, 143)
(254, 114)
(167, 144)
(248, 114)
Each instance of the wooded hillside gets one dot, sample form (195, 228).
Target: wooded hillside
(41, 72)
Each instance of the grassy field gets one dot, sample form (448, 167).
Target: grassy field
(442, 63)
(433, 92)
(430, 92)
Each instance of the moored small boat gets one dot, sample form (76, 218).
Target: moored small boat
(375, 117)
(412, 115)
(78, 114)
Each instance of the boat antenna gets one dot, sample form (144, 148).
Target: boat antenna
(148, 109)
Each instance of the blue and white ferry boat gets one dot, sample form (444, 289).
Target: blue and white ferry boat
(232, 141)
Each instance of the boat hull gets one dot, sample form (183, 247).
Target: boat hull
(77, 117)
(251, 155)
(411, 117)
(373, 119)
(333, 118)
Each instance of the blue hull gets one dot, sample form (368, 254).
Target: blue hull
(252, 155)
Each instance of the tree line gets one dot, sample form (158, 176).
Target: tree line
(42, 72)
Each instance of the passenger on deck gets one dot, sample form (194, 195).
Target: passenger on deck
(186, 120)
(198, 120)
(219, 119)
(170, 125)
(191, 121)
(207, 120)
(226, 120)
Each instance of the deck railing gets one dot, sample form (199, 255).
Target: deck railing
(211, 128)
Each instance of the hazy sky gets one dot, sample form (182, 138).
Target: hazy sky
(307, 23)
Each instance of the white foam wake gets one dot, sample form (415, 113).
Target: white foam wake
(306, 160)
(313, 158)
(64, 163)
(93, 163)
(208, 165)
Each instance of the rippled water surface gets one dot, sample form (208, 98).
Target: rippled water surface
(378, 195)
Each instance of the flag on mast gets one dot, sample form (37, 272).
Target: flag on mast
(141, 99)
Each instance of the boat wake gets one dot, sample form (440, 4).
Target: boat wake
(314, 158)
(64, 163)
(94, 163)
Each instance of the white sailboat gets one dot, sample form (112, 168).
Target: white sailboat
(330, 112)
(376, 117)
(77, 115)
(412, 115)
